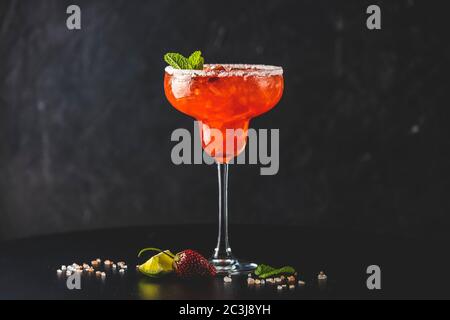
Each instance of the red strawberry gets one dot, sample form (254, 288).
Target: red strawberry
(189, 264)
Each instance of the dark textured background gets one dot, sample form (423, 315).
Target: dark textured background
(85, 127)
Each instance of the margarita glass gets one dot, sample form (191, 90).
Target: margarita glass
(223, 98)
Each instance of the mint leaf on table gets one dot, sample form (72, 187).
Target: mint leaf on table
(178, 61)
(263, 268)
(196, 60)
(285, 270)
(264, 271)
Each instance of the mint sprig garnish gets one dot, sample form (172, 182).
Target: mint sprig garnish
(196, 60)
(264, 271)
(178, 61)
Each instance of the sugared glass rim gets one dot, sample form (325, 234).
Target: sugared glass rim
(233, 70)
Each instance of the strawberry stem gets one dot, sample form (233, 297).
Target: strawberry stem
(154, 249)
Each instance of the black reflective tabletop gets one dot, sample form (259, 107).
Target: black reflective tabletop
(410, 268)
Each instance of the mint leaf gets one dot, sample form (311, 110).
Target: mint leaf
(263, 268)
(177, 61)
(264, 271)
(196, 60)
(285, 270)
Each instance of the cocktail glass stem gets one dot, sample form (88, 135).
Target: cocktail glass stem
(223, 258)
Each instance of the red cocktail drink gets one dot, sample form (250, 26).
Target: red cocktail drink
(224, 98)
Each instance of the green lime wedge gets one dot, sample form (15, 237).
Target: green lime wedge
(158, 265)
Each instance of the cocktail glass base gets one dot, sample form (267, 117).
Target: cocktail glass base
(233, 266)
